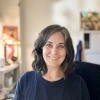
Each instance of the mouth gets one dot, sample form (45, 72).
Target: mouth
(54, 58)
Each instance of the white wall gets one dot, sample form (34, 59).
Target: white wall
(92, 54)
(35, 15)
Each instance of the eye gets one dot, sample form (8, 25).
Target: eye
(48, 45)
(61, 46)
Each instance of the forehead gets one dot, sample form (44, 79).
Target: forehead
(56, 36)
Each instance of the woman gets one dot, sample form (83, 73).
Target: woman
(53, 78)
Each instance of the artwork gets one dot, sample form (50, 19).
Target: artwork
(9, 37)
(11, 31)
(90, 20)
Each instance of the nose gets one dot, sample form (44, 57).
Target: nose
(54, 50)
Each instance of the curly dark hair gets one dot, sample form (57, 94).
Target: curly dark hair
(39, 64)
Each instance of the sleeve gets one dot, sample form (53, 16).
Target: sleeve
(20, 87)
(85, 93)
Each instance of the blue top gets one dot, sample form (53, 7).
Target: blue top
(32, 86)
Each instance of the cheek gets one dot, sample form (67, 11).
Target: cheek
(63, 53)
(45, 52)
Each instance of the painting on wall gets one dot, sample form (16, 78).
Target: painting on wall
(11, 31)
(10, 35)
(90, 20)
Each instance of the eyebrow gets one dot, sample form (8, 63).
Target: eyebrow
(59, 43)
(49, 42)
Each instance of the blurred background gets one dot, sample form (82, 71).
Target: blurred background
(22, 20)
(31, 16)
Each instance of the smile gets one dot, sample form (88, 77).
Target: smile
(54, 58)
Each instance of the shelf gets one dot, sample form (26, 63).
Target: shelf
(8, 68)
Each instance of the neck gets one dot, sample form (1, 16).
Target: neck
(53, 75)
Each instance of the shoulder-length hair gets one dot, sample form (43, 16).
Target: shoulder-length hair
(39, 63)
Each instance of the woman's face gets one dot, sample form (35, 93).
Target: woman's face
(54, 51)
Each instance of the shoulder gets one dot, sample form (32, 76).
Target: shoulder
(76, 83)
(27, 76)
(74, 78)
(26, 80)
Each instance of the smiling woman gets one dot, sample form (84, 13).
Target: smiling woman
(53, 77)
(47, 39)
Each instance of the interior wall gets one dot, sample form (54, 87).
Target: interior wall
(9, 14)
(34, 16)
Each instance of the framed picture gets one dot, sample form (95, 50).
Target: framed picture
(10, 38)
(11, 31)
(90, 20)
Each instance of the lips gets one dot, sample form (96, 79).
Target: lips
(54, 58)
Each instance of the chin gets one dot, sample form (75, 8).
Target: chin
(53, 66)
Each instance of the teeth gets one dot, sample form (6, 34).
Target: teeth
(54, 58)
